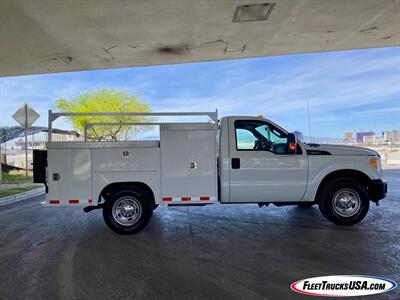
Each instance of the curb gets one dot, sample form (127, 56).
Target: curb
(21, 196)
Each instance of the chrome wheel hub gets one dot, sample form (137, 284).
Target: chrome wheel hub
(346, 202)
(127, 210)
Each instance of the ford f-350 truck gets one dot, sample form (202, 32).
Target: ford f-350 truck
(235, 160)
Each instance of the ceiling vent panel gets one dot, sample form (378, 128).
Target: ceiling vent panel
(253, 12)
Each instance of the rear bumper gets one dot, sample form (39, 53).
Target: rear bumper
(377, 190)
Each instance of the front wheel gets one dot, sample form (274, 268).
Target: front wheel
(344, 201)
(128, 210)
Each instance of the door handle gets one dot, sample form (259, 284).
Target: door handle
(235, 163)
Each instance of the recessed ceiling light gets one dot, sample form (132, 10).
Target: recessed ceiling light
(253, 12)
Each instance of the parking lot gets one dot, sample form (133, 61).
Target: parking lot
(214, 252)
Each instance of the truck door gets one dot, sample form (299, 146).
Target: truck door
(261, 168)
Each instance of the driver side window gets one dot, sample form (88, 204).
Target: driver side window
(253, 135)
(245, 140)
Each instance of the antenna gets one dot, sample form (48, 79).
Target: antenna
(309, 122)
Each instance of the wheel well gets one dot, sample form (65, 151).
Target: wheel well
(348, 173)
(106, 192)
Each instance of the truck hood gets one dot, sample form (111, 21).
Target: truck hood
(338, 150)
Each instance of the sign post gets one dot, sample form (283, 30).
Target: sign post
(1, 157)
(26, 116)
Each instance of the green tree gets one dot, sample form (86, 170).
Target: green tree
(105, 100)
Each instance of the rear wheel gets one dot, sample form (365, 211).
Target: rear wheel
(128, 210)
(344, 201)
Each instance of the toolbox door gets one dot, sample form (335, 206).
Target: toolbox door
(189, 166)
(69, 177)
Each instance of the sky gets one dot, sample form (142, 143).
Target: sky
(357, 90)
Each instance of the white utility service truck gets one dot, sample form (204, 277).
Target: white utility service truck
(235, 160)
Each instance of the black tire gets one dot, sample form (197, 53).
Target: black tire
(355, 210)
(305, 204)
(138, 201)
(155, 206)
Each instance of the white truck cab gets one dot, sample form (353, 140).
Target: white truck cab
(238, 159)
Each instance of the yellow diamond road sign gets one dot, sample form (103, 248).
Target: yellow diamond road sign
(25, 116)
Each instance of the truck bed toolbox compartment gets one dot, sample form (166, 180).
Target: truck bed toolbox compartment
(188, 163)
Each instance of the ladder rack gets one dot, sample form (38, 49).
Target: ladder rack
(55, 115)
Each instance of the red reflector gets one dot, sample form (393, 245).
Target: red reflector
(73, 201)
(54, 202)
(204, 198)
(167, 199)
(186, 198)
(90, 200)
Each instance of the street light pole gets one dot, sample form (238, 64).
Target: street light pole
(26, 141)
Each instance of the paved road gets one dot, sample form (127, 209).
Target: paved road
(215, 252)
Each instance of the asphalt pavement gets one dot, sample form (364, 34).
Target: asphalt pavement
(212, 252)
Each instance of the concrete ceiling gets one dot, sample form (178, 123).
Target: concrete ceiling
(45, 36)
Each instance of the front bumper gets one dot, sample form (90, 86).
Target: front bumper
(377, 190)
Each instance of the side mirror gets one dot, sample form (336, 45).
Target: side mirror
(291, 143)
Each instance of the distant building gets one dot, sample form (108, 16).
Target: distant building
(3, 158)
(374, 139)
(61, 137)
(298, 135)
(388, 136)
(392, 136)
(18, 160)
(360, 136)
(20, 144)
(348, 137)
(396, 136)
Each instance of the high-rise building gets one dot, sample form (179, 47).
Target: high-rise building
(360, 135)
(392, 136)
(348, 137)
(396, 136)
